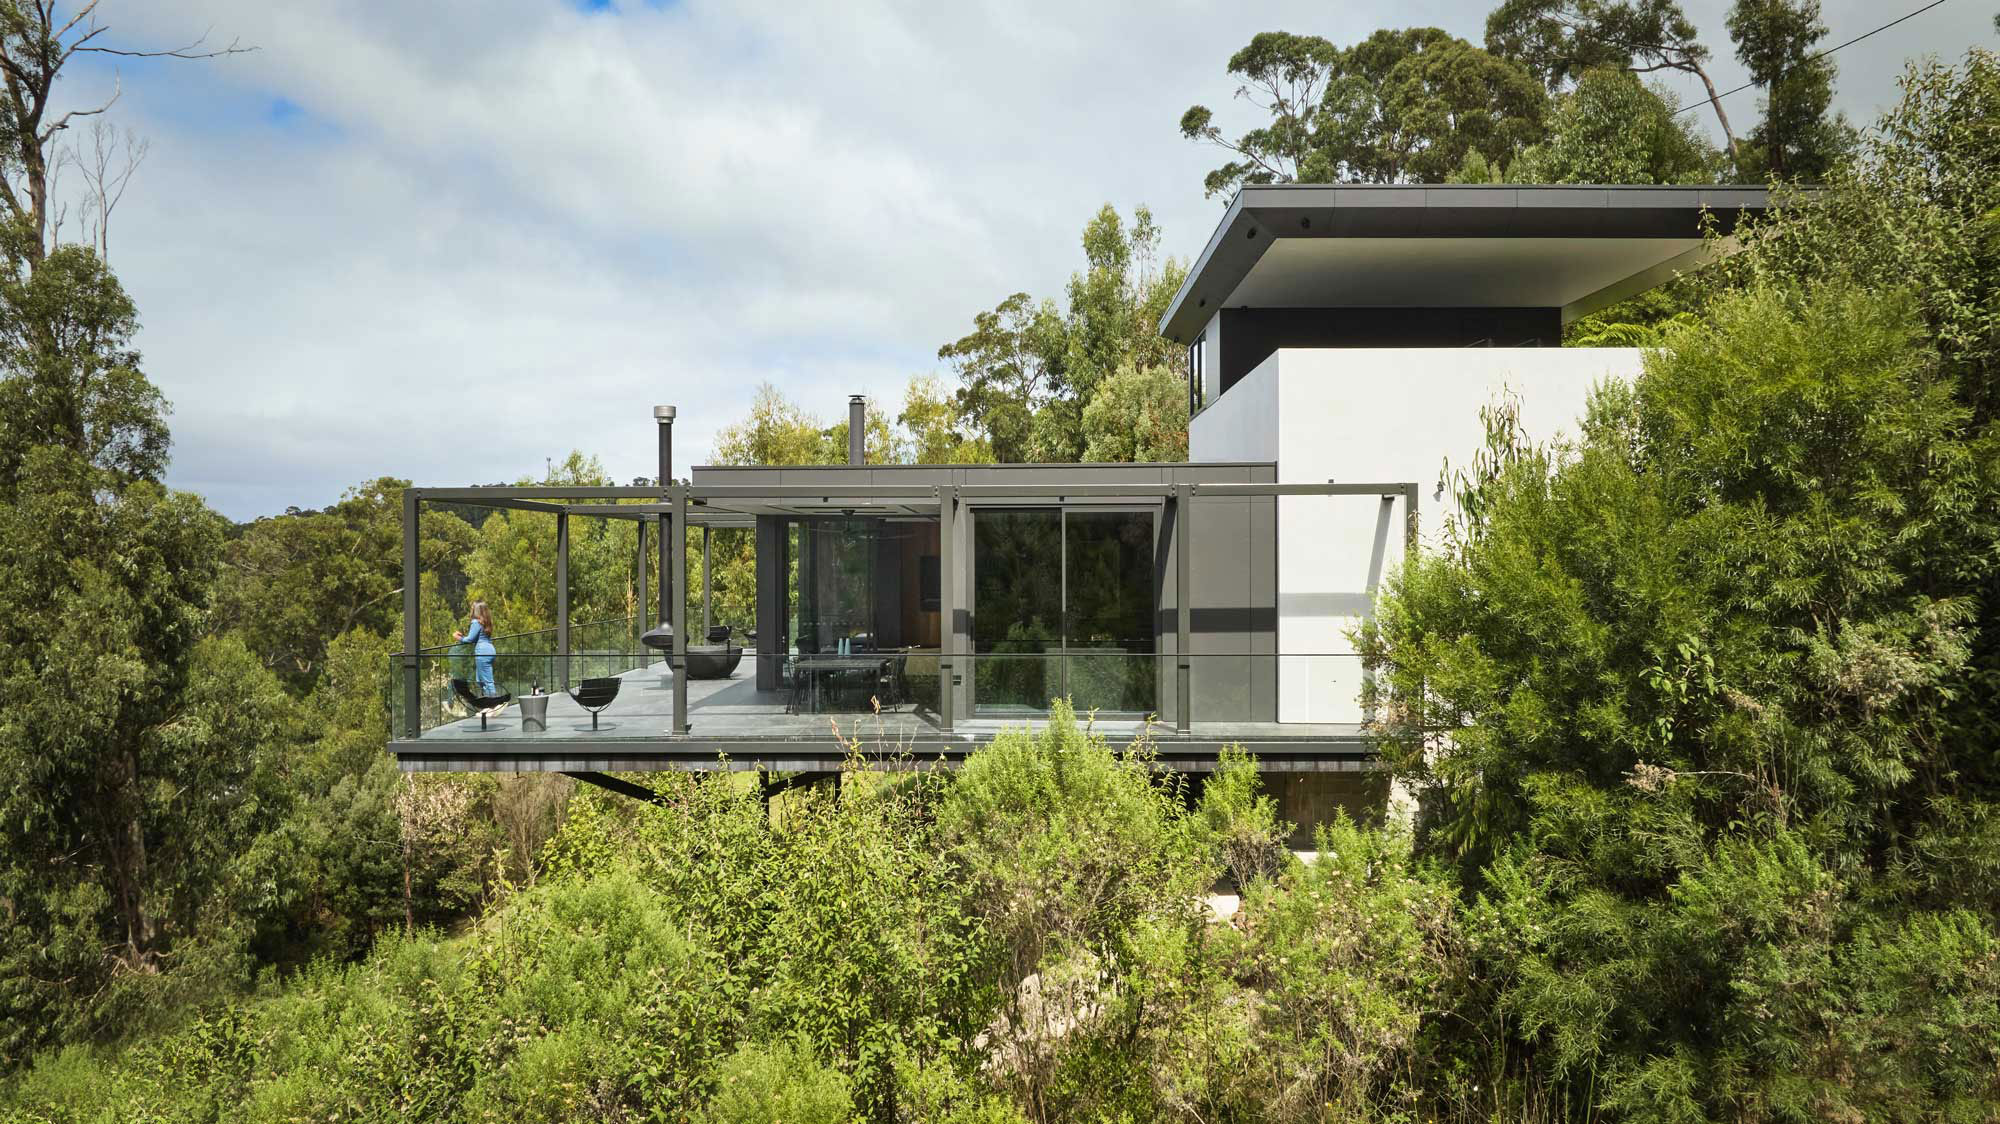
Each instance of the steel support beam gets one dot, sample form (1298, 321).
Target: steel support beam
(904, 492)
(679, 609)
(552, 492)
(637, 512)
(412, 606)
(773, 785)
(517, 505)
(1183, 606)
(707, 589)
(610, 783)
(562, 596)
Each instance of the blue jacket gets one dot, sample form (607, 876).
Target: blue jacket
(482, 644)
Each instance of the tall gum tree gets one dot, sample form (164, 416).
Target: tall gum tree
(104, 586)
(1559, 40)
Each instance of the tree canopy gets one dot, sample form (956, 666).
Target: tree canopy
(1797, 139)
(1700, 706)
(1028, 370)
(1611, 128)
(1400, 106)
(1420, 106)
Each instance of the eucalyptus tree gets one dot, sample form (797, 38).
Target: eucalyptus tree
(38, 39)
(1559, 40)
(1029, 368)
(1612, 128)
(1403, 106)
(291, 583)
(1799, 137)
(129, 761)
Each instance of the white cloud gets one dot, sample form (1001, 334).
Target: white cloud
(497, 231)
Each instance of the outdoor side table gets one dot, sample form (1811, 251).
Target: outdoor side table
(534, 712)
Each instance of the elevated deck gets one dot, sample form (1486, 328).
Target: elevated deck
(733, 726)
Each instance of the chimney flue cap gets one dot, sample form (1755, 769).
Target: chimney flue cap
(663, 413)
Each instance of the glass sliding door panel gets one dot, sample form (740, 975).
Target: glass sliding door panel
(1016, 609)
(1109, 622)
(836, 587)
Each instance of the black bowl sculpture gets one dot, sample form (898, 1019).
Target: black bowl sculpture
(713, 661)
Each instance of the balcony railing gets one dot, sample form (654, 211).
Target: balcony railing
(819, 694)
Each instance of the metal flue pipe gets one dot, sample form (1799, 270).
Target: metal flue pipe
(664, 415)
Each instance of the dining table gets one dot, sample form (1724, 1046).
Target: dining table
(810, 669)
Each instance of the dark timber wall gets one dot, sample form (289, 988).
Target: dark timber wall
(1250, 335)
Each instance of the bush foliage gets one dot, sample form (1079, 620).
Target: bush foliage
(1698, 712)
(1026, 940)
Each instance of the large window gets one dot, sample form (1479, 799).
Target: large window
(835, 587)
(863, 580)
(1063, 604)
(1197, 377)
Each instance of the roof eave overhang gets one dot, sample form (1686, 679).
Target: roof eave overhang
(1260, 215)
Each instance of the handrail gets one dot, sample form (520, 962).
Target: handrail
(445, 649)
(957, 653)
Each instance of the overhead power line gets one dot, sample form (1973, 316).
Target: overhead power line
(1822, 54)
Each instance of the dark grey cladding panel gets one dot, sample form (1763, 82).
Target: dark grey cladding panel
(1061, 474)
(1370, 220)
(1223, 473)
(1472, 196)
(730, 474)
(919, 477)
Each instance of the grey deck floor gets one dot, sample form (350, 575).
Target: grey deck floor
(717, 708)
(731, 717)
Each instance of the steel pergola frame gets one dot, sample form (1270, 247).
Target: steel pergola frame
(682, 504)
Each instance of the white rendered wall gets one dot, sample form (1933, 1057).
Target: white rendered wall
(1364, 415)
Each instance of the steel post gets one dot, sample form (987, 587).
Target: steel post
(679, 609)
(412, 627)
(664, 415)
(562, 597)
(639, 605)
(947, 603)
(1183, 605)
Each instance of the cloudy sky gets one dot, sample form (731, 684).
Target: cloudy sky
(445, 240)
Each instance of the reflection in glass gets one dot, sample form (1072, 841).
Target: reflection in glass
(1063, 605)
(836, 581)
(1108, 633)
(1017, 599)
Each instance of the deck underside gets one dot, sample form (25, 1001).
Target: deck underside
(734, 726)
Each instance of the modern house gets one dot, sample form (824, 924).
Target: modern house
(1356, 332)
(1342, 340)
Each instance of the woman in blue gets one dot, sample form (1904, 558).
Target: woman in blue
(479, 634)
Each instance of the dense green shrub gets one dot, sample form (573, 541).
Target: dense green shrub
(1681, 706)
(1024, 941)
(759, 1085)
(1240, 821)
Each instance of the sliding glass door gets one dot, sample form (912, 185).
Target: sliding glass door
(1016, 609)
(1063, 604)
(1108, 611)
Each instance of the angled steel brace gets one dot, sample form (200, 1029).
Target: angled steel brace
(623, 788)
(773, 786)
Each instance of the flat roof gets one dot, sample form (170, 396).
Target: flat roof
(1577, 247)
